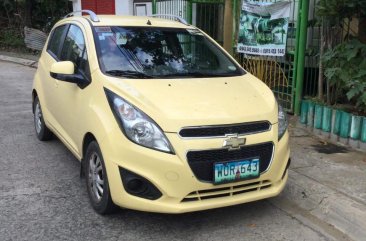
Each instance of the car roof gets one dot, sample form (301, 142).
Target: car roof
(113, 20)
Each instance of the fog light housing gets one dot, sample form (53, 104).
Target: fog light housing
(138, 186)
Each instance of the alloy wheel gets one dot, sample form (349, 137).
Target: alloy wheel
(96, 177)
(38, 118)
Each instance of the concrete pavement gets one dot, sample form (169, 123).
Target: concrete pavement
(19, 60)
(328, 185)
(43, 198)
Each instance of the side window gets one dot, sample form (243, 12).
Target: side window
(56, 40)
(74, 50)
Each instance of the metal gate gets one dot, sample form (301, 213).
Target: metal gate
(207, 15)
(276, 72)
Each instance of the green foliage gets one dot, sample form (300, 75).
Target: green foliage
(337, 10)
(39, 14)
(11, 38)
(47, 12)
(345, 68)
(44, 13)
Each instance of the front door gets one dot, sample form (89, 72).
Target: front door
(68, 99)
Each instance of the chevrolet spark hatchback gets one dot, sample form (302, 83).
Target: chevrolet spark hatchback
(160, 116)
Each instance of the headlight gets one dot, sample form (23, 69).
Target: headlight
(136, 125)
(282, 122)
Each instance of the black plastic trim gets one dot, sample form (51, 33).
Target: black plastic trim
(151, 192)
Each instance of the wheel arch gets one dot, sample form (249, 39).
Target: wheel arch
(88, 138)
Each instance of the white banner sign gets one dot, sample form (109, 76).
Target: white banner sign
(263, 28)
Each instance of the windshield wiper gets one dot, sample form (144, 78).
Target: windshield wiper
(129, 73)
(197, 74)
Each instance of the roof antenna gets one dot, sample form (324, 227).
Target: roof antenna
(148, 22)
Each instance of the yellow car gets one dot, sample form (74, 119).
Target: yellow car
(161, 118)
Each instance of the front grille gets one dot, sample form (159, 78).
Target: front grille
(226, 191)
(216, 131)
(201, 162)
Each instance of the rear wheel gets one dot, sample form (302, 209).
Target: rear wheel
(43, 133)
(97, 180)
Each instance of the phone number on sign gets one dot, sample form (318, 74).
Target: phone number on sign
(264, 51)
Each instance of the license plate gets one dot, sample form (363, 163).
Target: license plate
(236, 170)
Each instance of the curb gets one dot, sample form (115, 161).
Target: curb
(342, 216)
(26, 62)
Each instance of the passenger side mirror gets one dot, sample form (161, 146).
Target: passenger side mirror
(65, 71)
(63, 68)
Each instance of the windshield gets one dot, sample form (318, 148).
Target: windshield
(140, 52)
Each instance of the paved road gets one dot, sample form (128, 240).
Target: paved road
(43, 198)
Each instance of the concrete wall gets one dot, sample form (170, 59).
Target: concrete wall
(76, 5)
(124, 7)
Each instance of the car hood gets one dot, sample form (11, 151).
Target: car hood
(177, 103)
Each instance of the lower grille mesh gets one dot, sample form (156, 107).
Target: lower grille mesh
(201, 162)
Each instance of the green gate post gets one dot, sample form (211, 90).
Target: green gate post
(154, 6)
(189, 13)
(297, 37)
(300, 53)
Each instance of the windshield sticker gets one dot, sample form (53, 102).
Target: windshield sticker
(103, 29)
(107, 34)
(195, 32)
(101, 37)
(231, 67)
(121, 38)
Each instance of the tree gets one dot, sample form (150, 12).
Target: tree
(28, 10)
(335, 17)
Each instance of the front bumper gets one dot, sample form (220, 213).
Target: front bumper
(172, 175)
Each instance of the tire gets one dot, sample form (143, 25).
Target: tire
(97, 181)
(43, 133)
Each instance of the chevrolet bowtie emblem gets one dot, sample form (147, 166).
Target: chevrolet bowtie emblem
(234, 142)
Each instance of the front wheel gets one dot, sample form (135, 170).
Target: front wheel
(43, 133)
(97, 180)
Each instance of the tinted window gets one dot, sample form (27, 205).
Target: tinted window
(56, 39)
(74, 50)
(161, 52)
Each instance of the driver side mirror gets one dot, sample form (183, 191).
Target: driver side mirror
(65, 71)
